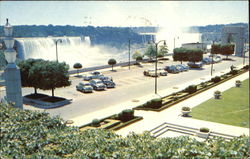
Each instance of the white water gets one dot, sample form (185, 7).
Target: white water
(71, 50)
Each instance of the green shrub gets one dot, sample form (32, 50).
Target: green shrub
(156, 103)
(95, 122)
(246, 67)
(126, 115)
(185, 109)
(203, 84)
(205, 130)
(191, 89)
(234, 72)
(216, 79)
(38, 135)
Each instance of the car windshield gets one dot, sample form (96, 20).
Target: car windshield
(87, 84)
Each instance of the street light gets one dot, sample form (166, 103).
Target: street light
(156, 47)
(174, 41)
(212, 60)
(129, 54)
(60, 40)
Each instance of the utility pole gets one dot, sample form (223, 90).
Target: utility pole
(129, 54)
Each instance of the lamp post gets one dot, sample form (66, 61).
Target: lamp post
(12, 74)
(58, 40)
(174, 41)
(212, 60)
(156, 53)
(129, 54)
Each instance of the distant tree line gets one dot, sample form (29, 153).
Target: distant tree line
(112, 36)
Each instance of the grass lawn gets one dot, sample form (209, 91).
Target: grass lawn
(232, 108)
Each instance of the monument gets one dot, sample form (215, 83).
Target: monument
(238, 33)
(12, 73)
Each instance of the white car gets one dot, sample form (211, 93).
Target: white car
(84, 87)
(97, 84)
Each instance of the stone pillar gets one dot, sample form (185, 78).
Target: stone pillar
(12, 73)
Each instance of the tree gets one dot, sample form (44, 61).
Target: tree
(112, 62)
(150, 52)
(195, 55)
(77, 66)
(163, 51)
(136, 54)
(216, 49)
(43, 74)
(180, 54)
(54, 74)
(29, 78)
(227, 49)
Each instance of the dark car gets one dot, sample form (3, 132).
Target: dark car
(207, 61)
(97, 84)
(183, 67)
(195, 65)
(108, 82)
(172, 69)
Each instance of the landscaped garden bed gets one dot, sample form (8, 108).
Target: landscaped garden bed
(113, 122)
(174, 98)
(45, 101)
(232, 108)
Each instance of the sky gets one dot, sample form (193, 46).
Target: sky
(123, 13)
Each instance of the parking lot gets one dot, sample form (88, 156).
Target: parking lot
(130, 84)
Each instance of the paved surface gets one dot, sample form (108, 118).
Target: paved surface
(172, 115)
(131, 84)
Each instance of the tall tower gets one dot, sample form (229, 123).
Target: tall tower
(12, 72)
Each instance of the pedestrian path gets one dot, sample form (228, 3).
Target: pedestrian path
(172, 114)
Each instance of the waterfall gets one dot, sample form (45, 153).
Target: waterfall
(71, 50)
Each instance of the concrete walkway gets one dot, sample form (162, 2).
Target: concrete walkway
(171, 115)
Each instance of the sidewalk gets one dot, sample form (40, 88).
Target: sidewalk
(151, 119)
(172, 114)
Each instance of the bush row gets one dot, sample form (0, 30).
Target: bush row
(28, 134)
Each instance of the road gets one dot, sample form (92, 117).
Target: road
(131, 84)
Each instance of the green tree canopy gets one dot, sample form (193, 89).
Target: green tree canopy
(216, 49)
(150, 51)
(185, 54)
(112, 62)
(180, 54)
(227, 49)
(45, 75)
(29, 79)
(136, 54)
(163, 51)
(77, 66)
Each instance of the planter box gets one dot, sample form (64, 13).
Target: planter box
(217, 96)
(202, 134)
(45, 105)
(237, 84)
(185, 113)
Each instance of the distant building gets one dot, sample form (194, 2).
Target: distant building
(197, 45)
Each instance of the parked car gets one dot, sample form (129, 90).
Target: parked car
(90, 77)
(183, 67)
(97, 84)
(171, 69)
(96, 73)
(207, 61)
(84, 87)
(195, 65)
(108, 82)
(150, 72)
(217, 59)
(162, 72)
